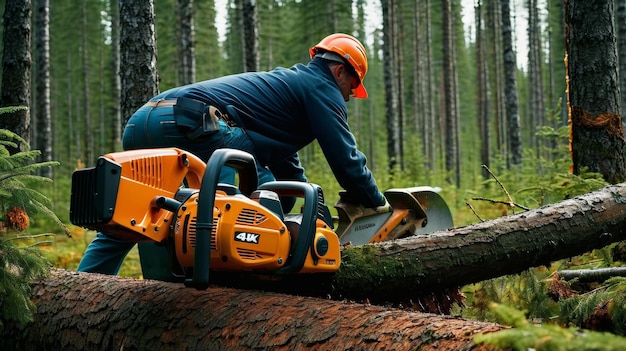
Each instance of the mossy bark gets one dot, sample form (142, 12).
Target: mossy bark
(408, 269)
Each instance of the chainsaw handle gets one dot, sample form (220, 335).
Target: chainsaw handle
(310, 193)
(245, 165)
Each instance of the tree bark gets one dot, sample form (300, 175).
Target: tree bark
(80, 311)
(16, 65)
(592, 275)
(116, 82)
(250, 35)
(482, 79)
(391, 84)
(186, 35)
(620, 21)
(510, 87)
(449, 94)
(89, 155)
(138, 52)
(43, 132)
(535, 77)
(596, 135)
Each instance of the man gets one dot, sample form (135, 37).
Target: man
(271, 115)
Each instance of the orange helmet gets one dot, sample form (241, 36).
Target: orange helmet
(351, 50)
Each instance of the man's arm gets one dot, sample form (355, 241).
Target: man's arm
(328, 119)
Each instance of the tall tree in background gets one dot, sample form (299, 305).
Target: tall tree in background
(116, 115)
(482, 79)
(449, 93)
(431, 152)
(510, 86)
(16, 62)
(186, 51)
(494, 42)
(398, 67)
(138, 54)
(86, 68)
(250, 35)
(620, 19)
(597, 138)
(417, 93)
(43, 134)
(556, 100)
(391, 83)
(537, 110)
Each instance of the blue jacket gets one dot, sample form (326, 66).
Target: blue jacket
(286, 109)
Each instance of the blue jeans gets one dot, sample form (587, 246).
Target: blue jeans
(155, 127)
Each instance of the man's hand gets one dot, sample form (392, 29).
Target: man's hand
(346, 201)
(386, 207)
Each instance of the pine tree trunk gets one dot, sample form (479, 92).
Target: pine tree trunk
(597, 138)
(482, 78)
(16, 64)
(510, 86)
(535, 61)
(249, 13)
(417, 83)
(620, 20)
(79, 311)
(43, 135)
(494, 38)
(449, 97)
(85, 117)
(431, 129)
(186, 34)
(116, 83)
(138, 52)
(391, 84)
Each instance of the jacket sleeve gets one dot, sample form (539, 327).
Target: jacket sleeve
(328, 118)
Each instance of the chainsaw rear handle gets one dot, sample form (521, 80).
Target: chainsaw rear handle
(311, 194)
(245, 166)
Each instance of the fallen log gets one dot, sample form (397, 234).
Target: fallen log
(408, 269)
(592, 275)
(80, 311)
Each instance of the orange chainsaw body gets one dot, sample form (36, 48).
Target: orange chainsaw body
(246, 236)
(138, 196)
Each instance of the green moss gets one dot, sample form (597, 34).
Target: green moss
(367, 265)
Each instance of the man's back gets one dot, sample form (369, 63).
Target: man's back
(283, 110)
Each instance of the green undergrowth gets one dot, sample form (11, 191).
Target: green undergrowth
(525, 335)
(20, 258)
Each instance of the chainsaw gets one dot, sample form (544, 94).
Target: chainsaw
(187, 223)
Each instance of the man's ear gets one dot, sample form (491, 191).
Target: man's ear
(341, 70)
(337, 70)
